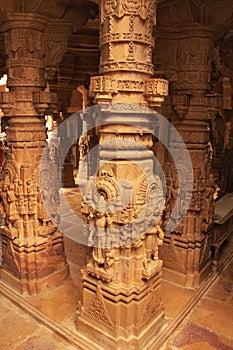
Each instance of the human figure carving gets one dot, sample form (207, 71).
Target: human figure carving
(83, 146)
(97, 237)
(12, 203)
(207, 202)
(18, 185)
(152, 240)
(31, 197)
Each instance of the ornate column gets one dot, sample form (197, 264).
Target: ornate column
(75, 69)
(186, 250)
(33, 251)
(121, 297)
(2, 56)
(225, 50)
(61, 85)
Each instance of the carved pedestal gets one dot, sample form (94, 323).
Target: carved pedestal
(118, 316)
(32, 266)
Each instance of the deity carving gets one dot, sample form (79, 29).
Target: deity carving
(118, 217)
(208, 189)
(178, 195)
(21, 204)
(152, 239)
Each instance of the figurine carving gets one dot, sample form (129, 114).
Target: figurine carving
(118, 217)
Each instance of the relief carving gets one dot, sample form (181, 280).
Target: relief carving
(122, 214)
(123, 202)
(130, 56)
(121, 37)
(25, 52)
(194, 57)
(22, 203)
(10, 173)
(49, 187)
(154, 89)
(207, 198)
(10, 259)
(97, 308)
(25, 105)
(178, 194)
(127, 66)
(143, 8)
(170, 255)
(56, 39)
(153, 303)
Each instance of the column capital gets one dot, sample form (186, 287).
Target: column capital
(23, 20)
(56, 40)
(183, 15)
(118, 8)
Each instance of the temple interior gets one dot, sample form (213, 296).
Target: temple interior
(116, 165)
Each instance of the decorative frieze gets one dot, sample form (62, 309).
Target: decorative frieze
(43, 101)
(152, 89)
(140, 67)
(126, 37)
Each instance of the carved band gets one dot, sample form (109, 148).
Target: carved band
(127, 66)
(119, 37)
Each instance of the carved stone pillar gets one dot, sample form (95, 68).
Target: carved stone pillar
(226, 68)
(186, 250)
(33, 251)
(2, 56)
(64, 95)
(121, 296)
(57, 34)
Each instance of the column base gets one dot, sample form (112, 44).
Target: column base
(191, 281)
(26, 287)
(115, 317)
(33, 266)
(186, 262)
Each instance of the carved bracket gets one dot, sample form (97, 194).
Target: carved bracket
(188, 106)
(56, 40)
(103, 88)
(155, 91)
(43, 101)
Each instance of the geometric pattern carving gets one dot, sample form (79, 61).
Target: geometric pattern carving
(152, 305)
(168, 254)
(97, 308)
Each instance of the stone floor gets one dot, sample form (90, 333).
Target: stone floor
(195, 319)
(210, 324)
